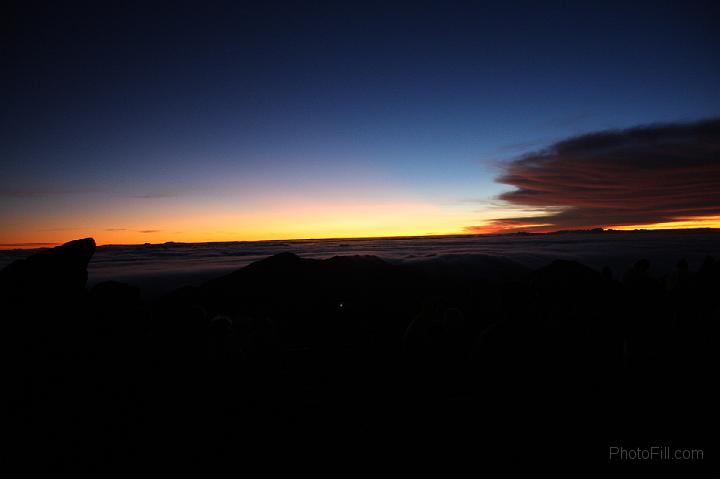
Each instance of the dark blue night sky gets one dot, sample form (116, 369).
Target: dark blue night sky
(142, 121)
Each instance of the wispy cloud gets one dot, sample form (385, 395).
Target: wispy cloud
(26, 245)
(135, 231)
(156, 195)
(70, 228)
(644, 175)
(14, 191)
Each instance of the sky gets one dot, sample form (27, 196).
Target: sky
(136, 122)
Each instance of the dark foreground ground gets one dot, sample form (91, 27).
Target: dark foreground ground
(353, 363)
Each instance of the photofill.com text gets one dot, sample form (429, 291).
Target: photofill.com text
(655, 453)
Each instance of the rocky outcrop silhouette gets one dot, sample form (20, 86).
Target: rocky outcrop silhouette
(58, 271)
(49, 341)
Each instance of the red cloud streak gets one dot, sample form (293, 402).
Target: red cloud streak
(639, 176)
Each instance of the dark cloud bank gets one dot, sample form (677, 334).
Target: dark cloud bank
(637, 176)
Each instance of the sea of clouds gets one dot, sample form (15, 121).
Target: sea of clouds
(162, 267)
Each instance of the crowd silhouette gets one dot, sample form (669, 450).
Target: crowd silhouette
(352, 354)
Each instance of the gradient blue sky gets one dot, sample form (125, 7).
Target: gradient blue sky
(231, 120)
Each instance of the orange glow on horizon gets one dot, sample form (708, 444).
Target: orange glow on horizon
(680, 223)
(302, 221)
(193, 224)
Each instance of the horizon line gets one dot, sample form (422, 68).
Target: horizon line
(48, 245)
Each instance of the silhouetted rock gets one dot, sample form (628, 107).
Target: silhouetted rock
(47, 290)
(58, 271)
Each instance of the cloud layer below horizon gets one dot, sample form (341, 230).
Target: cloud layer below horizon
(652, 175)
